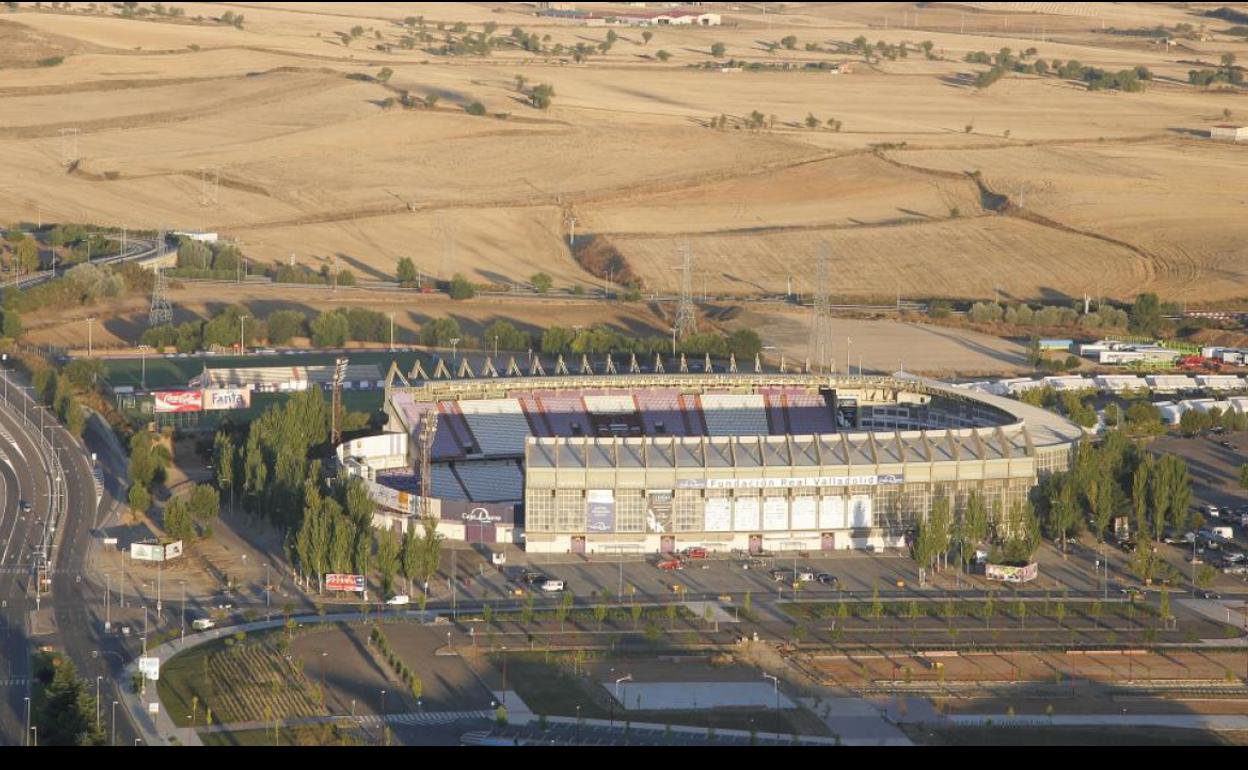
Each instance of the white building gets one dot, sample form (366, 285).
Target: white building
(1229, 133)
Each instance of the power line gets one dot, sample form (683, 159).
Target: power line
(686, 312)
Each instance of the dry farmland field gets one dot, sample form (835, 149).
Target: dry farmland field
(1111, 192)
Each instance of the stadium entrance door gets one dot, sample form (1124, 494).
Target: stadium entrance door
(756, 544)
(578, 545)
(667, 544)
(827, 542)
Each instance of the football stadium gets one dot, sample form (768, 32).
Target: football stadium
(649, 463)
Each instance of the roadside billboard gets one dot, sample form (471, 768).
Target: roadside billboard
(1010, 574)
(173, 550)
(177, 401)
(334, 582)
(147, 552)
(150, 668)
(226, 398)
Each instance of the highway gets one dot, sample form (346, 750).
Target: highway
(68, 616)
(137, 250)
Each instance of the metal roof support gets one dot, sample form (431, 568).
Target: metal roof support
(758, 364)
(610, 365)
(585, 367)
(706, 365)
(440, 372)
(684, 365)
(394, 374)
(732, 363)
(488, 369)
(418, 371)
(658, 364)
(512, 369)
(535, 368)
(465, 371)
(633, 368)
(560, 366)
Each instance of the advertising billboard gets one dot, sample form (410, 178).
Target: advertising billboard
(717, 515)
(177, 401)
(867, 480)
(860, 512)
(804, 513)
(147, 552)
(659, 510)
(1010, 574)
(832, 512)
(599, 510)
(227, 398)
(335, 582)
(775, 513)
(150, 668)
(745, 514)
(173, 550)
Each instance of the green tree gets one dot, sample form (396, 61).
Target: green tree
(285, 325)
(384, 75)
(542, 95)
(409, 557)
(476, 108)
(387, 559)
(565, 606)
(1145, 317)
(462, 288)
(406, 272)
(662, 55)
(331, 330)
(789, 42)
(718, 50)
(541, 282)
(646, 35)
(67, 716)
(178, 522)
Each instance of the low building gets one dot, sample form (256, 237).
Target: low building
(1228, 133)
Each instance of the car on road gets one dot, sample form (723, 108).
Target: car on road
(1227, 444)
(1131, 593)
(828, 579)
(202, 624)
(752, 564)
(1210, 595)
(552, 586)
(805, 575)
(671, 564)
(399, 600)
(532, 578)
(25, 506)
(695, 553)
(781, 575)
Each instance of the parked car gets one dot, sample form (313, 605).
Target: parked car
(781, 575)
(671, 564)
(25, 506)
(202, 624)
(1210, 595)
(533, 577)
(552, 586)
(827, 579)
(399, 600)
(805, 575)
(752, 564)
(696, 553)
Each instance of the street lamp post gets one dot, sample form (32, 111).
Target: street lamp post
(113, 742)
(183, 582)
(90, 324)
(775, 685)
(143, 365)
(98, 679)
(391, 331)
(848, 343)
(454, 345)
(26, 735)
(242, 341)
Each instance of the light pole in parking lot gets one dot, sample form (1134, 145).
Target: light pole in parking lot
(183, 582)
(98, 679)
(775, 686)
(143, 366)
(113, 742)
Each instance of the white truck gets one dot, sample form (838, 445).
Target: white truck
(1223, 532)
(202, 624)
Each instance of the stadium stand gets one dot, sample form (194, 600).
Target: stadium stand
(613, 404)
(691, 411)
(809, 414)
(498, 424)
(735, 414)
(539, 425)
(564, 410)
(453, 434)
(661, 412)
(489, 482)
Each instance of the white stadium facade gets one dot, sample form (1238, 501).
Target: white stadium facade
(649, 463)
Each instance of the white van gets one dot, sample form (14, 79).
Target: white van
(552, 586)
(202, 624)
(399, 600)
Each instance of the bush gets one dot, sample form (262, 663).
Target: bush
(462, 288)
(476, 108)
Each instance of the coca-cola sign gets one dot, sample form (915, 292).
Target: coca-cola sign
(176, 401)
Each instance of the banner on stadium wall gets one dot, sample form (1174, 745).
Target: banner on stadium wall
(659, 510)
(177, 401)
(227, 398)
(717, 515)
(599, 510)
(832, 513)
(789, 483)
(803, 511)
(471, 514)
(860, 512)
(1009, 574)
(775, 513)
(335, 582)
(745, 514)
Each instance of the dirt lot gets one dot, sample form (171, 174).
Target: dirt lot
(312, 162)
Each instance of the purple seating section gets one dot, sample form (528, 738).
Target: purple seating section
(551, 413)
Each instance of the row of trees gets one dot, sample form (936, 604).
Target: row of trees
(962, 526)
(1097, 79)
(1023, 314)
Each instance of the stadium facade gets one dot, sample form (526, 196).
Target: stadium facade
(646, 463)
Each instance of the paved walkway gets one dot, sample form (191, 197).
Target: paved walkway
(411, 718)
(1185, 721)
